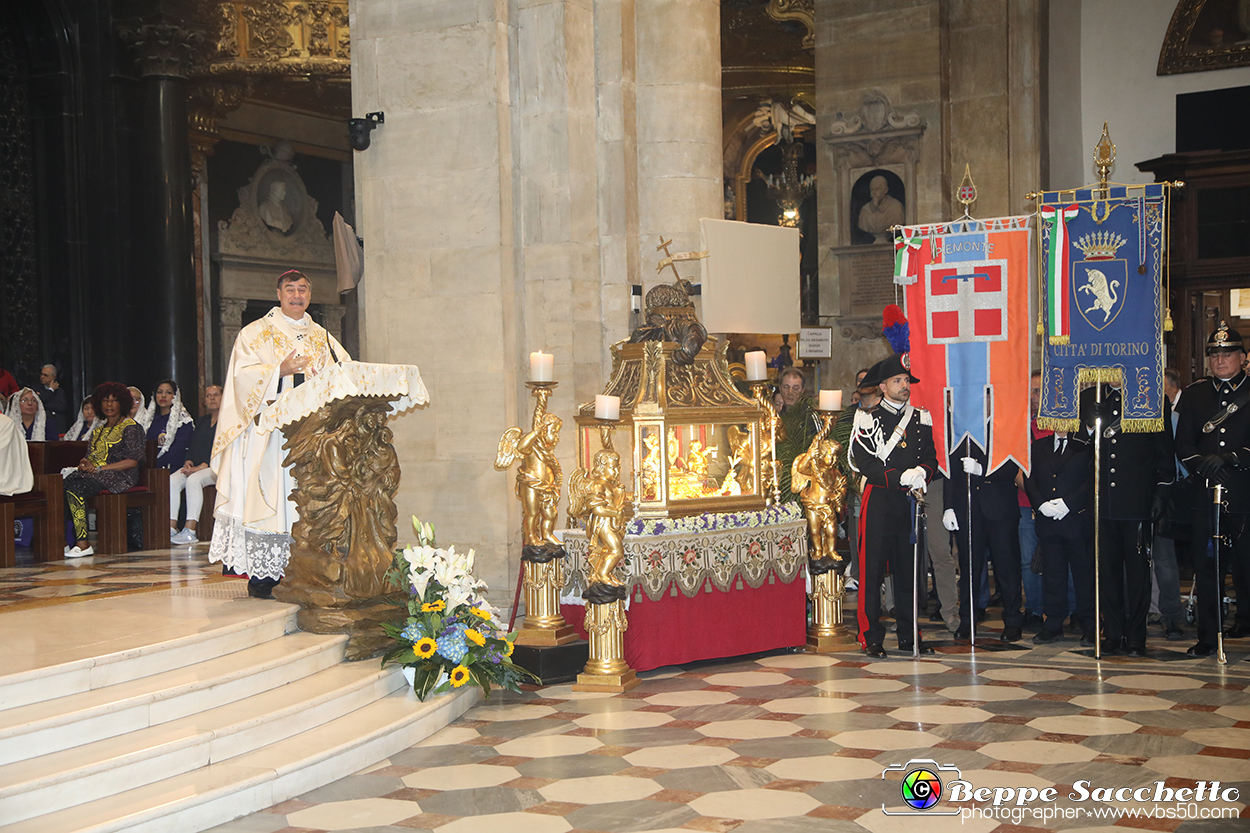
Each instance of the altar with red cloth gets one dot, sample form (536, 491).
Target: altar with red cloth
(706, 587)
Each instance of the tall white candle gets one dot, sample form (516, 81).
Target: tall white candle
(607, 407)
(542, 367)
(831, 400)
(757, 366)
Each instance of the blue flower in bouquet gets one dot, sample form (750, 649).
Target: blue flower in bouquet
(414, 631)
(452, 645)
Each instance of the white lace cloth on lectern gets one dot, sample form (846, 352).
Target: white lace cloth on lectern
(259, 554)
(339, 381)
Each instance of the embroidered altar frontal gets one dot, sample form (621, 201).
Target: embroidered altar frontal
(704, 587)
(1101, 262)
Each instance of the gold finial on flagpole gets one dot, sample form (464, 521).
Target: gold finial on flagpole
(1104, 157)
(966, 194)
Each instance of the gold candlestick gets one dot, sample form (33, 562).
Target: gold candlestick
(772, 424)
(542, 555)
(821, 487)
(599, 500)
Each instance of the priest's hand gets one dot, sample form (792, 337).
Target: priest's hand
(293, 364)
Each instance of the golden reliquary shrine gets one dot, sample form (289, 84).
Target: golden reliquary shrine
(695, 440)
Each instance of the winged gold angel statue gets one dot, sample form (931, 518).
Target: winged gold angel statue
(598, 498)
(538, 479)
(821, 487)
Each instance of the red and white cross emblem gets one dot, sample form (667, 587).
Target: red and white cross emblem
(967, 194)
(966, 301)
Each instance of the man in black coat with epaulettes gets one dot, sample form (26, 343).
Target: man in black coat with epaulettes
(1213, 442)
(892, 447)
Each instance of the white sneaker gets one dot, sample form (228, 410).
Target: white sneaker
(176, 537)
(75, 552)
(185, 538)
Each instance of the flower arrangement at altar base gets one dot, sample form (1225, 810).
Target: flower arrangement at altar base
(449, 636)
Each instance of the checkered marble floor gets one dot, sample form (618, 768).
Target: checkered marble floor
(793, 742)
(31, 584)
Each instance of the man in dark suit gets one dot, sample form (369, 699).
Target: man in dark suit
(1213, 442)
(1061, 491)
(892, 447)
(1132, 467)
(995, 526)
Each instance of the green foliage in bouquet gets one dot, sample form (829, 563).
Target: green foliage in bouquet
(449, 635)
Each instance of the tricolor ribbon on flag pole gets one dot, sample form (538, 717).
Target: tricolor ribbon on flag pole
(1058, 271)
(906, 250)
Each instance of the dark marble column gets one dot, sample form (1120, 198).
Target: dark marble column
(163, 328)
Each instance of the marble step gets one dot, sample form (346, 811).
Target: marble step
(85, 717)
(47, 671)
(214, 794)
(96, 770)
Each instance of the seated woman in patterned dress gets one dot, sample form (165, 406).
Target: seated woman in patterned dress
(114, 455)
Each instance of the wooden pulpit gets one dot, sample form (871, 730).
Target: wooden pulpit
(340, 452)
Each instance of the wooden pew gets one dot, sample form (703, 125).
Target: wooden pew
(150, 496)
(45, 503)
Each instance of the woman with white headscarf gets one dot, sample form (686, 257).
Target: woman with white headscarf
(139, 411)
(86, 423)
(26, 409)
(169, 425)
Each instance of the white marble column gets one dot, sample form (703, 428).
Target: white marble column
(523, 167)
(678, 124)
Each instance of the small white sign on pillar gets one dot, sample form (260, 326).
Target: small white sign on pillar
(816, 343)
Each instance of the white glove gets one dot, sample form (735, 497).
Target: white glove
(949, 521)
(913, 478)
(971, 466)
(1055, 509)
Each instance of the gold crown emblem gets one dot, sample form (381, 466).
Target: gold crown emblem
(1220, 337)
(1100, 245)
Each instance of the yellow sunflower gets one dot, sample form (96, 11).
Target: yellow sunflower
(480, 613)
(425, 647)
(508, 652)
(474, 636)
(433, 607)
(459, 676)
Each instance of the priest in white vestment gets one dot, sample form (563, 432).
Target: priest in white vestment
(254, 512)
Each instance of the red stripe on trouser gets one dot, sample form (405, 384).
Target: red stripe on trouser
(863, 587)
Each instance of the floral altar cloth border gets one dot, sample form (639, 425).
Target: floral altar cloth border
(342, 380)
(686, 553)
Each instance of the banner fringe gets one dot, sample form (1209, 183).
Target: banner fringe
(1058, 339)
(1058, 424)
(1141, 426)
(1092, 375)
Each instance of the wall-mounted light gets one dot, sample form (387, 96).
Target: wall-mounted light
(359, 129)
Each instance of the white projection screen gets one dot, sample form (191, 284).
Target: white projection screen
(750, 277)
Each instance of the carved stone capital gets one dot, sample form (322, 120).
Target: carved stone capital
(164, 49)
(232, 311)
